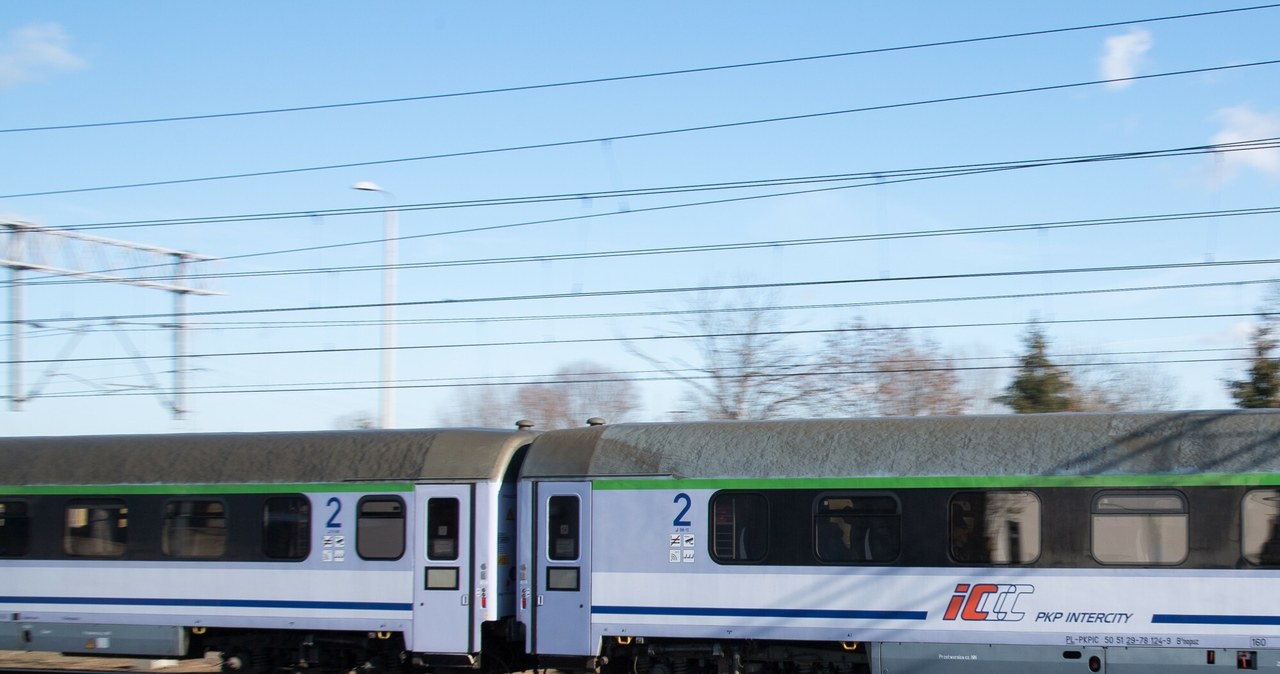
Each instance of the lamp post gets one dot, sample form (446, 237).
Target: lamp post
(386, 414)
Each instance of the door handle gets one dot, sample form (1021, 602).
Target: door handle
(466, 599)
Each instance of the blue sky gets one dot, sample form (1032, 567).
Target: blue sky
(74, 63)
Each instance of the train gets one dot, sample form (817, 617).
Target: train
(1124, 543)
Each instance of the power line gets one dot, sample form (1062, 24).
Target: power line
(878, 177)
(645, 338)
(643, 134)
(931, 173)
(346, 387)
(621, 78)
(283, 325)
(688, 289)
(746, 245)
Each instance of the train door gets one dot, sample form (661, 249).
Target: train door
(562, 569)
(444, 551)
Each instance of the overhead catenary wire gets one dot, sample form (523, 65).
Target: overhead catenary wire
(1237, 146)
(345, 387)
(602, 340)
(692, 289)
(637, 76)
(735, 246)
(642, 134)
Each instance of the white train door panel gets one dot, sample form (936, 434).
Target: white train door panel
(562, 577)
(443, 557)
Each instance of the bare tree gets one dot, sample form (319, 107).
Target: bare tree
(744, 368)
(482, 407)
(577, 392)
(867, 370)
(1104, 387)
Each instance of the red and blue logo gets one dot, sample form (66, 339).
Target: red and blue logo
(987, 602)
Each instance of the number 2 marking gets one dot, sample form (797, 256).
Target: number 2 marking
(333, 522)
(680, 521)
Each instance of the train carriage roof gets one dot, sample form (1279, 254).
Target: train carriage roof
(312, 457)
(1235, 441)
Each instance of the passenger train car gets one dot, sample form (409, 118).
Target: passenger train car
(1125, 543)
(1039, 543)
(373, 549)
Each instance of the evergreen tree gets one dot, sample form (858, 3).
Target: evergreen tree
(1040, 386)
(1261, 388)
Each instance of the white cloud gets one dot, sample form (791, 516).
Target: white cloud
(29, 52)
(1242, 124)
(1122, 55)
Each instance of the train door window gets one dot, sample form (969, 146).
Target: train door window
(96, 528)
(995, 527)
(380, 527)
(562, 528)
(739, 526)
(286, 527)
(442, 529)
(1260, 519)
(194, 529)
(1140, 528)
(857, 528)
(15, 529)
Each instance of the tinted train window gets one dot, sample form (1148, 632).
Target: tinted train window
(857, 528)
(194, 529)
(15, 529)
(96, 528)
(995, 527)
(380, 528)
(286, 527)
(1140, 528)
(442, 528)
(739, 527)
(1260, 518)
(562, 528)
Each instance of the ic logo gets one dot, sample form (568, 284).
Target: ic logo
(986, 601)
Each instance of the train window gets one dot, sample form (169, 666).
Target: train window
(194, 529)
(562, 528)
(857, 528)
(995, 527)
(380, 528)
(1140, 528)
(1260, 518)
(286, 527)
(442, 528)
(15, 529)
(739, 527)
(96, 528)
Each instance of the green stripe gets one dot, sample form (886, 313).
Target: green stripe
(124, 489)
(951, 482)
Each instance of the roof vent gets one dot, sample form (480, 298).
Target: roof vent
(524, 424)
(595, 421)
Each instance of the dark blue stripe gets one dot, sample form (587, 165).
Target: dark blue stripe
(1179, 619)
(759, 612)
(211, 603)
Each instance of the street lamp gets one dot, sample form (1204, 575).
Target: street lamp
(386, 414)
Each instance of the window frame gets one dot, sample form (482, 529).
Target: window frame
(1134, 513)
(116, 505)
(452, 532)
(951, 528)
(15, 528)
(869, 520)
(362, 517)
(1259, 559)
(763, 516)
(556, 539)
(296, 521)
(166, 530)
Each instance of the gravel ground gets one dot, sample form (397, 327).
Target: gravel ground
(19, 659)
